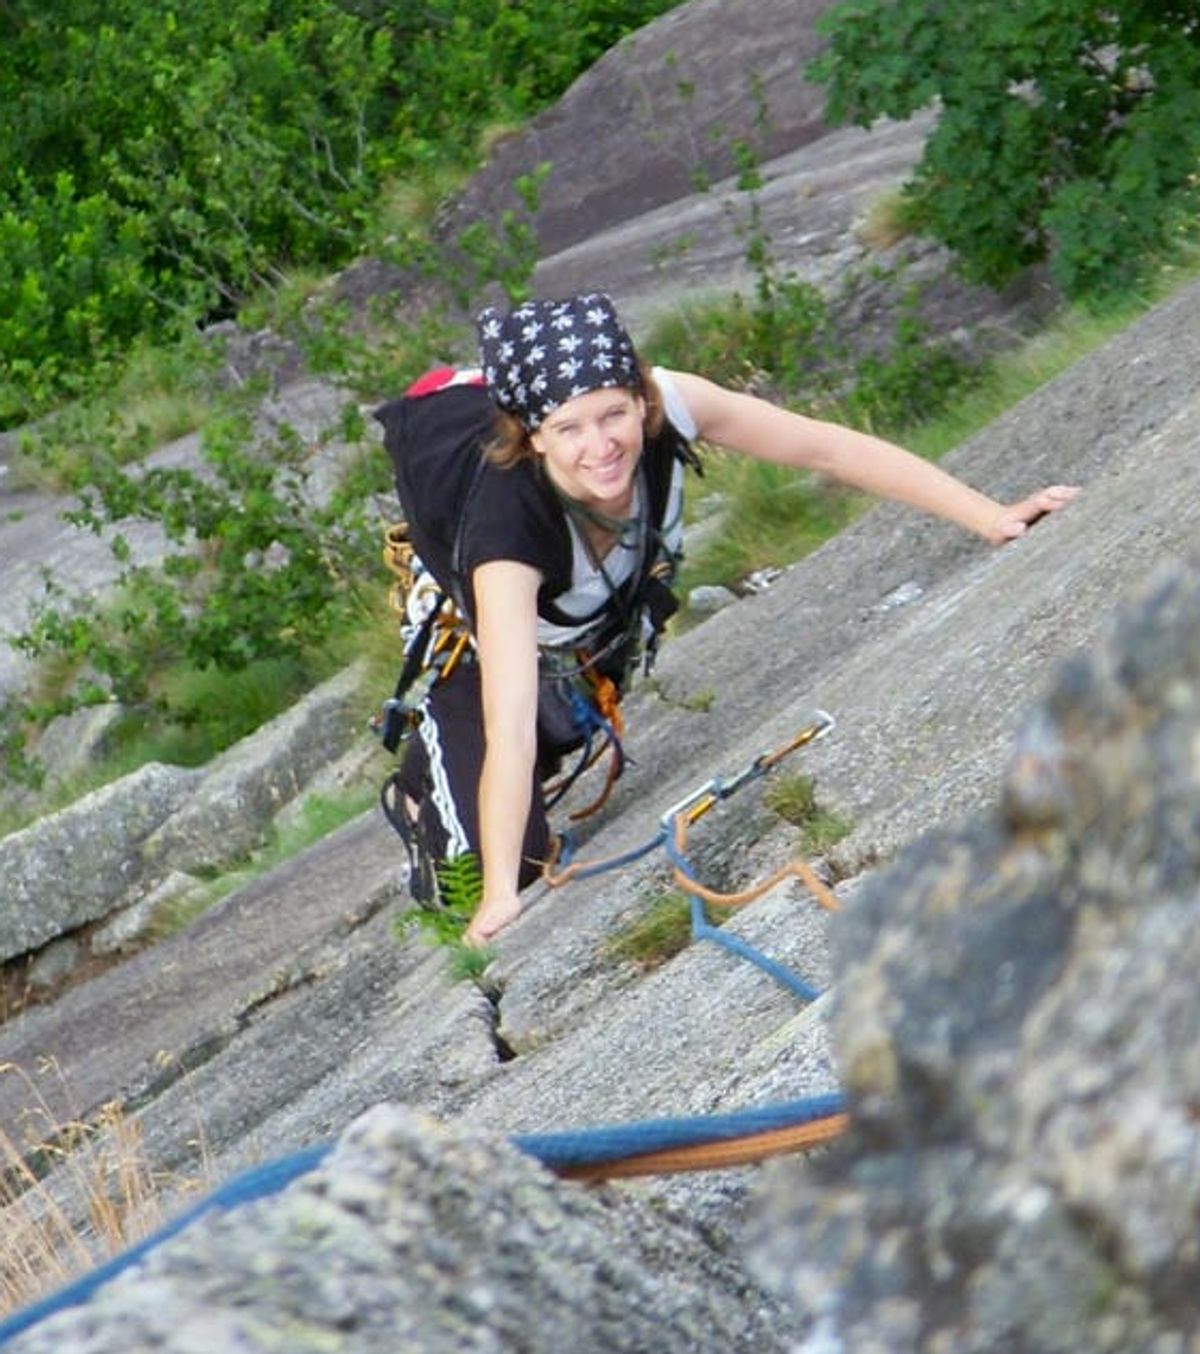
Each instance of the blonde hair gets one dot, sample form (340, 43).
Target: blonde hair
(511, 442)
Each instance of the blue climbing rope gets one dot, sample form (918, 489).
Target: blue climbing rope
(591, 1149)
(606, 1144)
(703, 929)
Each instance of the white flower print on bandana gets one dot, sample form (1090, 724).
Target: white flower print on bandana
(588, 348)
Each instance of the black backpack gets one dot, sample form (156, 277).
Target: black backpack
(433, 435)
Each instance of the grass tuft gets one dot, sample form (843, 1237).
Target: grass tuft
(888, 220)
(775, 517)
(73, 1194)
(656, 936)
(660, 933)
(794, 799)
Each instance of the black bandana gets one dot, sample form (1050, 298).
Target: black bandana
(544, 353)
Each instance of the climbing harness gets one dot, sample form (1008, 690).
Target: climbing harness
(435, 637)
(433, 435)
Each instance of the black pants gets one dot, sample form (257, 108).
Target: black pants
(441, 773)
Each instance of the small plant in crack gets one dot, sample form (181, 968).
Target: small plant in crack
(696, 703)
(794, 799)
(460, 886)
(659, 933)
(468, 963)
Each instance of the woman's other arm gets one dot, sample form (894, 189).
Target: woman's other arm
(758, 428)
(506, 638)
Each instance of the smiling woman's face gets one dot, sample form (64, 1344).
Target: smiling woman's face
(591, 445)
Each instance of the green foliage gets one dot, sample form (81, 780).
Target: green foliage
(784, 338)
(20, 766)
(460, 883)
(695, 702)
(468, 963)
(319, 815)
(1066, 129)
(189, 717)
(256, 569)
(158, 167)
(773, 516)
(661, 932)
(383, 357)
(200, 712)
(658, 934)
(1012, 376)
(783, 341)
(165, 391)
(507, 255)
(794, 799)
(460, 64)
(741, 341)
(74, 284)
(168, 163)
(908, 383)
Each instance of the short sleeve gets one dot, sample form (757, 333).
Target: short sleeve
(673, 403)
(511, 515)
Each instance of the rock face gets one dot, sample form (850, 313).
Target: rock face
(34, 537)
(1015, 1011)
(114, 847)
(644, 198)
(1015, 995)
(1017, 1026)
(661, 113)
(82, 863)
(1015, 1023)
(458, 1244)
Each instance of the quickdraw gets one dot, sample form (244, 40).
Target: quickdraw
(672, 837)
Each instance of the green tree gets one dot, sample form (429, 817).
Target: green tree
(255, 568)
(156, 166)
(160, 163)
(1065, 129)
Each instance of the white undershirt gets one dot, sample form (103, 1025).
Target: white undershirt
(590, 588)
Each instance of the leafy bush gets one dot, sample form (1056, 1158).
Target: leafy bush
(156, 166)
(461, 64)
(256, 570)
(74, 288)
(1065, 129)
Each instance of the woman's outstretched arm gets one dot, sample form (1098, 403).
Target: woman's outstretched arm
(758, 428)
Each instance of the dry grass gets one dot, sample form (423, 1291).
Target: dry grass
(888, 220)
(72, 1195)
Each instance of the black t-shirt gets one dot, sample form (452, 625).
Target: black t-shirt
(515, 514)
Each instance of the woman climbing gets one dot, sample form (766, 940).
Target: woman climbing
(565, 522)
